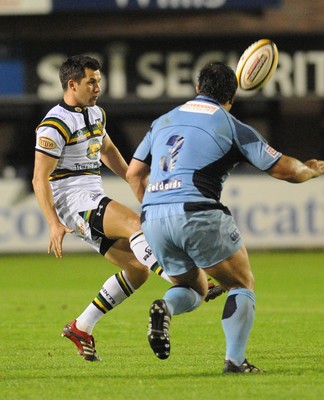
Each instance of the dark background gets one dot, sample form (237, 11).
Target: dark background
(293, 124)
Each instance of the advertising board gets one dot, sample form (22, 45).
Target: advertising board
(157, 70)
(270, 214)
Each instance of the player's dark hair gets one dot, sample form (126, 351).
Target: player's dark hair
(218, 81)
(74, 68)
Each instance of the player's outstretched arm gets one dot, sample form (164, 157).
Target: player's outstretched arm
(292, 170)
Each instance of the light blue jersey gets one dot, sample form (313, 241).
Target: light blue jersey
(192, 149)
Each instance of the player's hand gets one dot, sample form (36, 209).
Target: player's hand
(316, 165)
(57, 233)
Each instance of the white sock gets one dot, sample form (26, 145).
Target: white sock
(88, 319)
(115, 290)
(144, 254)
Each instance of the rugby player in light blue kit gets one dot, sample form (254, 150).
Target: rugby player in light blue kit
(178, 172)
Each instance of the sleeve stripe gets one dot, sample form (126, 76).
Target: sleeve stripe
(48, 154)
(59, 126)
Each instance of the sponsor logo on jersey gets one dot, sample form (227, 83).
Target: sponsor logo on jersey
(88, 165)
(81, 137)
(270, 150)
(196, 107)
(57, 115)
(99, 125)
(93, 149)
(46, 143)
(161, 186)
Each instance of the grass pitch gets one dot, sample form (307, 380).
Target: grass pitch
(40, 294)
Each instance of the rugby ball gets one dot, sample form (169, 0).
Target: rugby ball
(257, 65)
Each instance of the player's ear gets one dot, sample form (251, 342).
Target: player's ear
(197, 88)
(232, 100)
(72, 84)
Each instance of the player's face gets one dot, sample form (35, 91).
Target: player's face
(87, 91)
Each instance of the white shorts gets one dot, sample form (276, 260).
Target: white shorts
(180, 239)
(74, 207)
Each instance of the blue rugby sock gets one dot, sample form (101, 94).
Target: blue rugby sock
(237, 321)
(180, 299)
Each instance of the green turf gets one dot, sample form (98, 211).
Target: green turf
(39, 294)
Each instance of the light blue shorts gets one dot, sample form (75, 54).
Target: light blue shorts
(180, 239)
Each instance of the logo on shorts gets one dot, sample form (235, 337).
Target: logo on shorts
(98, 213)
(235, 236)
(80, 230)
(94, 197)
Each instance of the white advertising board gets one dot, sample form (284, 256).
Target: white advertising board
(24, 7)
(270, 214)
(277, 214)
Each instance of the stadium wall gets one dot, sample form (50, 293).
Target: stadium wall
(270, 214)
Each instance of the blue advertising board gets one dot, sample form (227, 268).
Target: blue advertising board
(12, 77)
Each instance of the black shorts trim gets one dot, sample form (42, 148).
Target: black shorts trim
(196, 206)
(96, 226)
(204, 206)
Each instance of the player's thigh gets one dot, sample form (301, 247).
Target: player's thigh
(195, 278)
(122, 256)
(235, 271)
(120, 221)
(211, 237)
